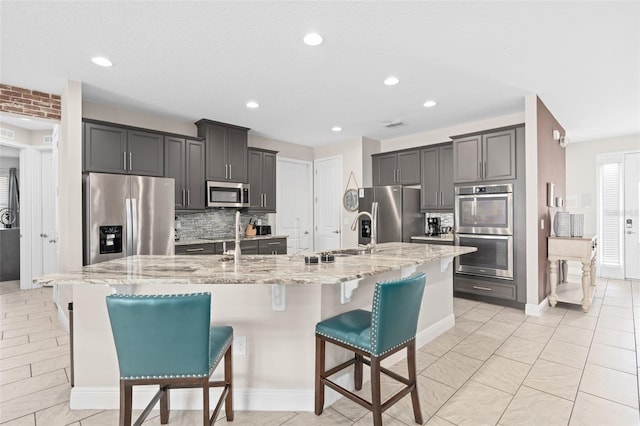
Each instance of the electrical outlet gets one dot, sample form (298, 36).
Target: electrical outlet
(240, 345)
(541, 223)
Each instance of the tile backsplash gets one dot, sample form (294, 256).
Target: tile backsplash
(446, 219)
(213, 223)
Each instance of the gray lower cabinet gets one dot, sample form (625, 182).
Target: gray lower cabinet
(506, 290)
(262, 180)
(272, 246)
(436, 179)
(205, 248)
(261, 246)
(114, 149)
(396, 168)
(184, 163)
(226, 151)
(485, 157)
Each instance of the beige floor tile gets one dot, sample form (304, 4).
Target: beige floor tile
(479, 313)
(52, 315)
(612, 357)
(31, 385)
(63, 340)
(530, 407)
(20, 309)
(511, 315)
(610, 384)
(614, 323)
(614, 311)
(34, 331)
(565, 353)
(14, 319)
(110, 418)
(16, 341)
(620, 339)
(590, 410)
(19, 407)
(438, 421)
(432, 396)
(478, 346)
(386, 420)
(51, 364)
(31, 324)
(33, 357)
(27, 420)
(579, 320)
(55, 331)
(475, 404)
(452, 369)
(551, 317)
(15, 374)
(255, 417)
(27, 348)
(497, 328)
(621, 302)
(577, 336)
(502, 373)
(536, 332)
(442, 344)
(61, 414)
(308, 418)
(554, 378)
(519, 349)
(465, 327)
(354, 411)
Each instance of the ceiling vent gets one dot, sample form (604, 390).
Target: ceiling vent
(392, 124)
(47, 139)
(7, 134)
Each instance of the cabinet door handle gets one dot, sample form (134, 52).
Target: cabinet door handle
(274, 244)
(477, 287)
(188, 197)
(183, 193)
(124, 160)
(265, 200)
(441, 199)
(130, 161)
(479, 169)
(195, 249)
(226, 173)
(229, 171)
(484, 170)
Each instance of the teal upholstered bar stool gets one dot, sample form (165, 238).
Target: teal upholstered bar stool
(168, 340)
(373, 336)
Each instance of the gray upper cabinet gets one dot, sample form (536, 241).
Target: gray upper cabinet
(437, 178)
(226, 150)
(114, 149)
(185, 164)
(483, 157)
(396, 168)
(262, 180)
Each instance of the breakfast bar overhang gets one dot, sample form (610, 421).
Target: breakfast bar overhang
(272, 302)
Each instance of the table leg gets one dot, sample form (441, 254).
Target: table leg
(565, 270)
(593, 270)
(586, 286)
(553, 280)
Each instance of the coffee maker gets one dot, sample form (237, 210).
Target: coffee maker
(433, 226)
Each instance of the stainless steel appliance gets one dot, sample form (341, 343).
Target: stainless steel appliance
(399, 214)
(263, 229)
(127, 215)
(227, 194)
(433, 226)
(484, 219)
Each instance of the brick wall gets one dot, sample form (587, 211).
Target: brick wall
(29, 102)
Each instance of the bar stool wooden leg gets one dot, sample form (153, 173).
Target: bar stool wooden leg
(376, 400)
(411, 364)
(228, 378)
(205, 401)
(320, 346)
(125, 403)
(358, 372)
(164, 405)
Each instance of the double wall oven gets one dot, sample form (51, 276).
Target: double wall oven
(484, 219)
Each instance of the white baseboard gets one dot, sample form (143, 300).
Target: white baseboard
(537, 310)
(107, 398)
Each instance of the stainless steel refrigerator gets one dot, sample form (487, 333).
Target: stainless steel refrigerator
(399, 214)
(127, 215)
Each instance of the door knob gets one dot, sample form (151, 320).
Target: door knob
(336, 232)
(53, 241)
(44, 235)
(630, 232)
(306, 232)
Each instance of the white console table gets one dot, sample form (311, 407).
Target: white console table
(580, 249)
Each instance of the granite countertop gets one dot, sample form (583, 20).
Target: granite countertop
(444, 237)
(252, 269)
(227, 238)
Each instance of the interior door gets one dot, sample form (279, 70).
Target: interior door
(295, 213)
(328, 203)
(631, 216)
(49, 220)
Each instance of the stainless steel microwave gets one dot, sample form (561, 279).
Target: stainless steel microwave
(227, 194)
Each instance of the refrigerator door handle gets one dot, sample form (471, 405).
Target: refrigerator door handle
(129, 225)
(134, 223)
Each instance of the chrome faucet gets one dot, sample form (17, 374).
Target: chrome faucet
(236, 252)
(373, 216)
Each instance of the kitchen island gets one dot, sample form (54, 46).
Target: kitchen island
(273, 304)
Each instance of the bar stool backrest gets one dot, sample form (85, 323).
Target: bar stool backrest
(395, 311)
(161, 336)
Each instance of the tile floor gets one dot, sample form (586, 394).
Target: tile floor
(496, 366)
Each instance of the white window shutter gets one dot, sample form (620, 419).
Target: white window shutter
(610, 245)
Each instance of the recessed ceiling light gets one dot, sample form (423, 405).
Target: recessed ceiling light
(102, 61)
(252, 104)
(313, 39)
(25, 119)
(336, 128)
(430, 104)
(391, 81)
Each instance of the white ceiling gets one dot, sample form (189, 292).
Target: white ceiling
(189, 60)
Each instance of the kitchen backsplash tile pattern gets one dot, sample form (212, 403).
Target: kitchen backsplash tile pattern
(446, 219)
(213, 223)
